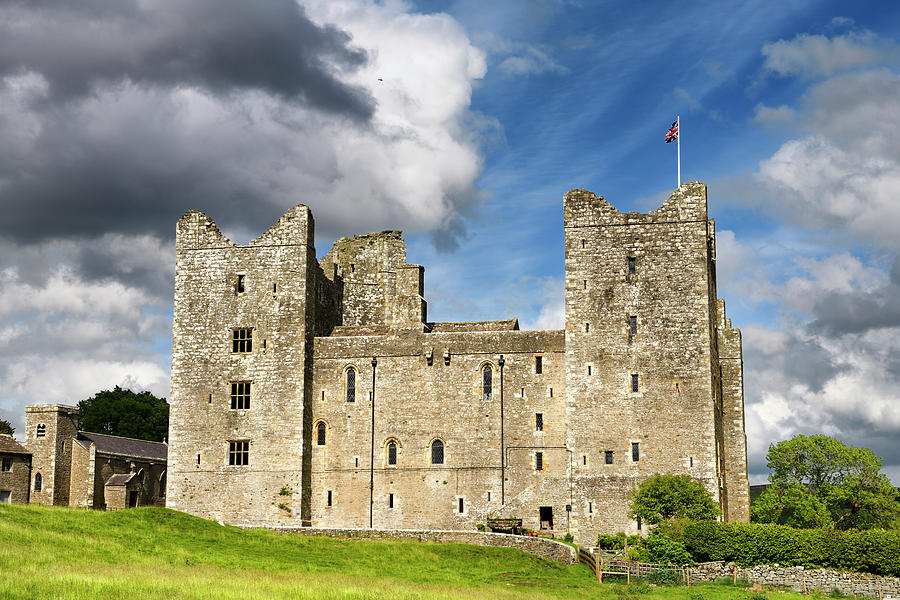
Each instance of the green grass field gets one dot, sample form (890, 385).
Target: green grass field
(58, 553)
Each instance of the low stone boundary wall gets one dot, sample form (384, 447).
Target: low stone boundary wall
(543, 547)
(802, 580)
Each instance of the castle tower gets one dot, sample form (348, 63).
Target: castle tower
(50, 430)
(643, 377)
(243, 325)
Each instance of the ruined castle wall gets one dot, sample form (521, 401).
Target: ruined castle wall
(416, 403)
(670, 352)
(737, 505)
(277, 301)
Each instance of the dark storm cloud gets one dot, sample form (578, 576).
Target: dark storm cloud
(219, 45)
(839, 313)
(798, 361)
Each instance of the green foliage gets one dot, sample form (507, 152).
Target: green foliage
(663, 577)
(285, 491)
(569, 538)
(660, 548)
(748, 544)
(818, 481)
(6, 427)
(663, 497)
(125, 413)
(606, 541)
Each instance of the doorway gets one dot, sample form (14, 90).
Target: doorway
(546, 517)
(132, 498)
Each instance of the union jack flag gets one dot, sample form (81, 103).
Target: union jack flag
(672, 133)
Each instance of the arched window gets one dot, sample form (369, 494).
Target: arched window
(41, 430)
(320, 434)
(486, 380)
(38, 482)
(351, 385)
(437, 452)
(392, 453)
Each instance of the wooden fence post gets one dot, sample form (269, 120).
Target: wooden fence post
(804, 582)
(734, 579)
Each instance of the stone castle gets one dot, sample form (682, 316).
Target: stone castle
(317, 392)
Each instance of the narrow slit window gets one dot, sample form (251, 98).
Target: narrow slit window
(590, 507)
(538, 364)
(635, 451)
(551, 392)
(608, 457)
(461, 505)
(582, 243)
(585, 284)
(489, 496)
(351, 385)
(242, 340)
(38, 482)
(487, 382)
(239, 453)
(632, 324)
(392, 453)
(239, 284)
(209, 401)
(390, 501)
(639, 523)
(589, 369)
(321, 430)
(539, 421)
(328, 501)
(437, 452)
(584, 459)
(539, 461)
(275, 291)
(692, 461)
(587, 327)
(198, 459)
(632, 265)
(356, 460)
(240, 395)
(634, 382)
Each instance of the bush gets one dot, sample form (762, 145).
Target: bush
(663, 577)
(747, 544)
(663, 549)
(569, 538)
(606, 541)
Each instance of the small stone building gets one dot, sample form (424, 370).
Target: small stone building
(15, 471)
(90, 470)
(311, 391)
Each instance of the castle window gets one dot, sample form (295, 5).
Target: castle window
(239, 284)
(582, 243)
(584, 459)
(589, 369)
(38, 482)
(198, 460)
(608, 457)
(328, 500)
(239, 453)
(632, 265)
(437, 452)
(639, 523)
(242, 340)
(486, 382)
(41, 430)
(538, 364)
(539, 461)
(590, 507)
(635, 452)
(390, 501)
(634, 382)
(461, 505)
(6, 467)
(539, 421)
(587, 327)
(351, 385)
(585, 284)
(240, 395)
(692, 462)
(392, 453)
(632, 322)
(274, 288)
(320, 434)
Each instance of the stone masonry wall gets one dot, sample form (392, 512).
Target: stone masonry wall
(277, 302)
(737, 496)
(18, 479)
(802, 580)
(543, 547)
(52, 453)
(81, 487)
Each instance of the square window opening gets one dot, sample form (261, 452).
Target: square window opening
(634, 382)
(240, 395)
(242, 340)
(632, 265)
(632, 325)
(608, 457)
(239, 453)
(635, 451)
(538, 364)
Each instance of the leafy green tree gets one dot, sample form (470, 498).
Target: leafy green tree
(818, 481)
(6, 427)
(664, 497)
(125, 413)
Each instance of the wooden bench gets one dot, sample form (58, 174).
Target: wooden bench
(505, 525)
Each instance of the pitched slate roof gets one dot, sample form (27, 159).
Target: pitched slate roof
(120, 479)
(112, 444)
(10, 446)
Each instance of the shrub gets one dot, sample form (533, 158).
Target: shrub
(569, 538)
(663, 577)
(611, 542)
(660, 548)
(747, 544)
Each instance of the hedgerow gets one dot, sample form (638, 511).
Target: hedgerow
(747, 544)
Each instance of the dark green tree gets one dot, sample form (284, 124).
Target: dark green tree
(818, 481)
(6, 427)
(664, 497)
(125, 413)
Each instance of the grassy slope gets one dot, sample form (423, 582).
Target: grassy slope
(156, 553)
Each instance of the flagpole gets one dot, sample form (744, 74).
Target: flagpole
(678, 143)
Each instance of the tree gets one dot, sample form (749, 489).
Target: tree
(818, 481)
(664, 497)
(125, 413)
(6, 427)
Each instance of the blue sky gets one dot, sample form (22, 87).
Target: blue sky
(462, 123)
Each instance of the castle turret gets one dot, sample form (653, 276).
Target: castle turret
(50, 430)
